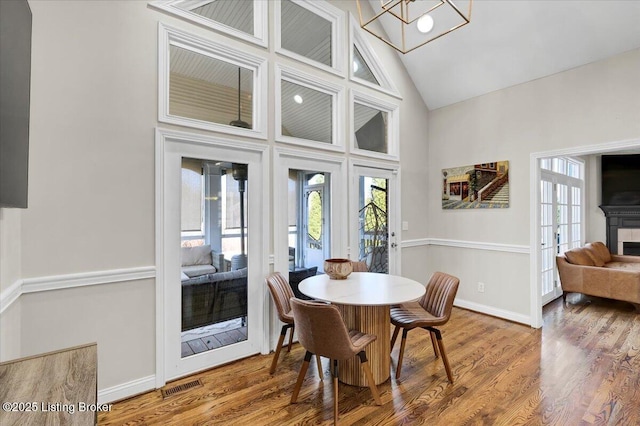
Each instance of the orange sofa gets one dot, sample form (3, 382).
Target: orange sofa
(594, 271)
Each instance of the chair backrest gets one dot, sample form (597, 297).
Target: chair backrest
(440, 292)
(360, 266)
(281, 293)
(321, 329)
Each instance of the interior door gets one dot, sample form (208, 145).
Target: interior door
(201, 306)
(374, 234)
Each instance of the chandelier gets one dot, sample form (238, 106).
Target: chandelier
(406, 25)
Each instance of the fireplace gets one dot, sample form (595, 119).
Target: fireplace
(620, 190)
(631, 248)
(623, 225)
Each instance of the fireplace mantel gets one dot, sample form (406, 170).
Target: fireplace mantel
(619, 217)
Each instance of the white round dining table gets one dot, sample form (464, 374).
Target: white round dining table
(364, 300)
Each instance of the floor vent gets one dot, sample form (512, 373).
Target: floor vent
(166, 393)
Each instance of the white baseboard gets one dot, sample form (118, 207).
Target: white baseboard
(495, 312)
(126, 390)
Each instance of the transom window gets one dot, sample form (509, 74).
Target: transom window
(243, 19)
(563, 165)
(310, 31)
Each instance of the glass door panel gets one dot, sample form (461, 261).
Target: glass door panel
(308, 212)
(561, 224)
(374, 239)
(213, 255)
(548, 247)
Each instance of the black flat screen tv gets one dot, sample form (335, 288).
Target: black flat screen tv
(621, 180)
(15, 84)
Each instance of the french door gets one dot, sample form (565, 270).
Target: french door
(374, 215)
(562, 226)
(233, 192)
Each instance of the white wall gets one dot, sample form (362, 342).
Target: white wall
(10, 261)
(91, 212)
(594, 104)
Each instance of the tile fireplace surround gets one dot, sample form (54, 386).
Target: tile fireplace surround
(627, 235)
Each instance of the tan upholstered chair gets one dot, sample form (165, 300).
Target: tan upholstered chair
(321, 331)
(359, 266)
(281, 292)
(432, 310)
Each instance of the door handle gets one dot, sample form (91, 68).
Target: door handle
(394, 245)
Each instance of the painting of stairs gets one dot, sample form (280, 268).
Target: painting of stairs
(500, 196)
(479, 186)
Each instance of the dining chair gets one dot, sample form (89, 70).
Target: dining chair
(281, 293)
(322, 332)
(431, 310)
(360, 266)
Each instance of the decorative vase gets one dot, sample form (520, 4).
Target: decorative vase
(338, 269)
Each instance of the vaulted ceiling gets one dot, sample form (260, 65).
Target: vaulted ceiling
(509, 42)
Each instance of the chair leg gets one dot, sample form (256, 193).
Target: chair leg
(369, 376)
(303, 372)
(445, 360)
(276, 355)
(335, 391)
(319, 362)
(293, 329)
(401, 354)
(433, 343)
(395, 336)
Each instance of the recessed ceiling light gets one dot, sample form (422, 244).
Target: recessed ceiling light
(298, 99)
(425, 23)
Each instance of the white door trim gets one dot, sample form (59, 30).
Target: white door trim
(258, 190)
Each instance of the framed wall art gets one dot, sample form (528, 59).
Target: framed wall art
(479, 186)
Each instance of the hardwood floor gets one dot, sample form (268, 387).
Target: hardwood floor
(581, 368)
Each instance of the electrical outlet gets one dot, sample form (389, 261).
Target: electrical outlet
(481, 287)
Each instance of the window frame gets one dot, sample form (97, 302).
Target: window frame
(357, 40)
(170, 36)
(332, 14)
(260, 34)
(393, 125)
(314, 83)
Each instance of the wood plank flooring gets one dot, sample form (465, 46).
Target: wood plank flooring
(581, 368)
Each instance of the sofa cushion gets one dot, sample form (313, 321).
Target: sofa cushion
(199, 255)
(594, 253)
(628, 266)
(579, 256)
(197, 270)
(602, 249)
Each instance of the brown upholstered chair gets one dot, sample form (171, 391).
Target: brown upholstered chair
(359, 266)
(281, 292)
(322, 331)
(432, 310)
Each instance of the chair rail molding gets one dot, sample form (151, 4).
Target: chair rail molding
(474, 245)
(84, 279)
